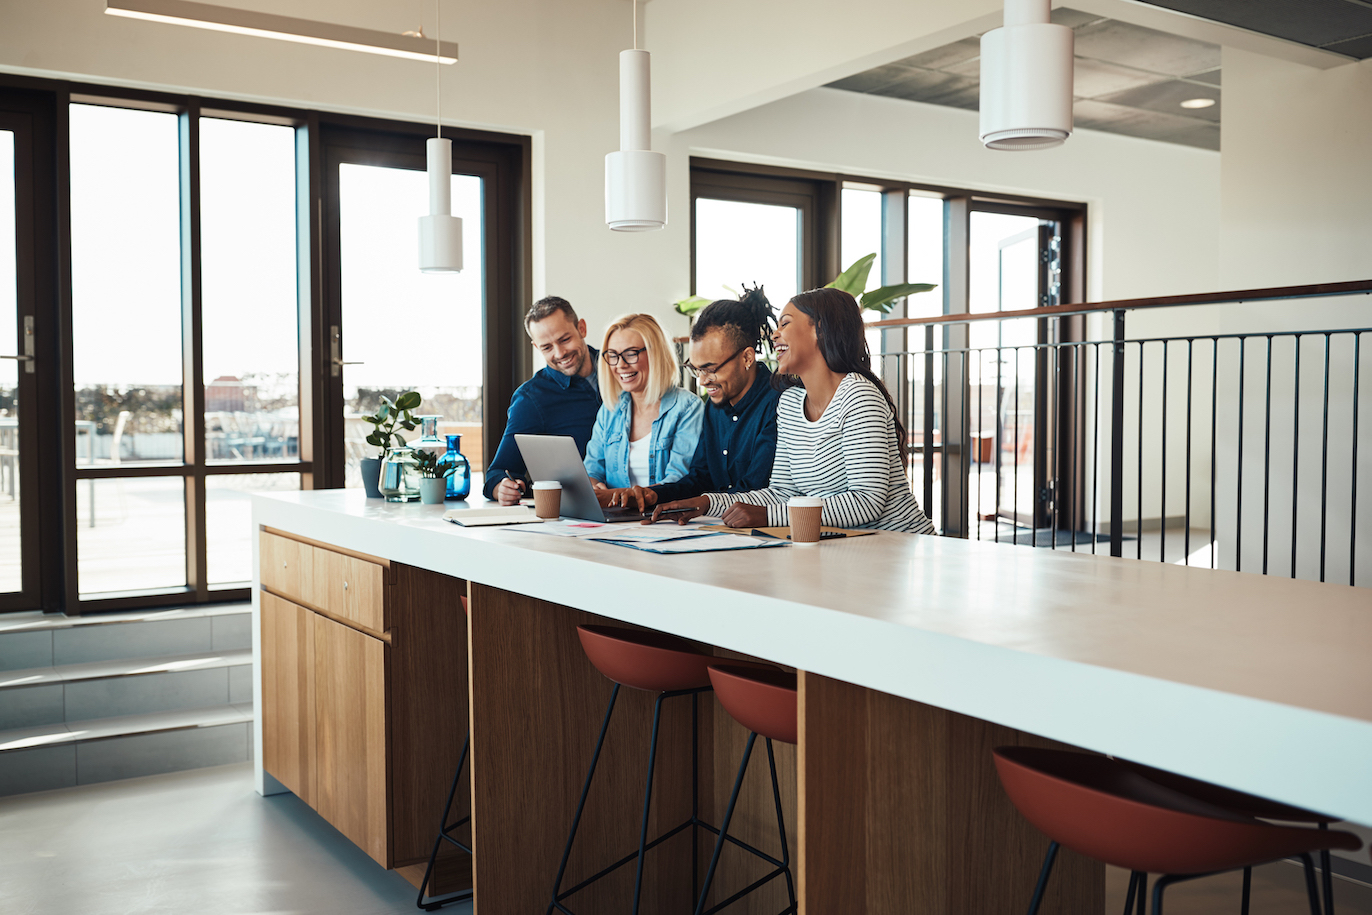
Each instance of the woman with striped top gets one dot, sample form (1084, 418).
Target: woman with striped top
(839, 435)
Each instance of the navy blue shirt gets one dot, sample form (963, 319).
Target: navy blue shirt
(550, 403)
(737, 445)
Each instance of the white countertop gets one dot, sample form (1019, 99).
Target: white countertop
(1260, 683)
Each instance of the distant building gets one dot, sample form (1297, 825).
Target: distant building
(227, 394)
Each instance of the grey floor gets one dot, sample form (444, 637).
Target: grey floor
(203, 841)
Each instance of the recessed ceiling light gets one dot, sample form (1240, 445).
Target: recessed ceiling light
(1198, 103)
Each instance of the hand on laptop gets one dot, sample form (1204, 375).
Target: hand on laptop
(685, 510)
(640, 498)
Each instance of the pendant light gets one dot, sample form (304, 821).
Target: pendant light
(1026, 80)
(440, 233)
(635, 176)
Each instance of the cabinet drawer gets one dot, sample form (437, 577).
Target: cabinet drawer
(347, 587)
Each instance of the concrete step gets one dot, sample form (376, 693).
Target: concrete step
(85, 752)
(39, 696)
(29, 640)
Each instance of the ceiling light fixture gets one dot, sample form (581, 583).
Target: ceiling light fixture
(284, 28)
(440, 233)
(1026, 80)
(1198, 103)
(635, 176)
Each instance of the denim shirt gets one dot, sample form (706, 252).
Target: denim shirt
(673, 439)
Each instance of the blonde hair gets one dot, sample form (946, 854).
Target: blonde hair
(661, 360)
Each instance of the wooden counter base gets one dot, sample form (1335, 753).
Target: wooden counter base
(899, 806)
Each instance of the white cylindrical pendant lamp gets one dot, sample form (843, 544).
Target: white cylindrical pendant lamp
(440, 233)
(635, 176)
(1026, 79)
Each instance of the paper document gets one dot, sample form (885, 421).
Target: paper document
(710, 544)
(564, 528)
(486, 517)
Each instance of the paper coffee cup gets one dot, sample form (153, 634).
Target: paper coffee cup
(805, 513)
(547, 499)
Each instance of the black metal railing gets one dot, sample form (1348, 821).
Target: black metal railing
(1226, 450)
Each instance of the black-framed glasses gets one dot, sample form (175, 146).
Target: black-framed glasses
(631, 355)
(711, 368)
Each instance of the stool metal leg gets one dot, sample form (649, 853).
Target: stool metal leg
(647, 801)
(1129, 897)
(581, 804)
(781, 830)
(1310, 891)
(1328, 877)
(1247, 890)
(445, 831)
(724, 826)
(1047, 869)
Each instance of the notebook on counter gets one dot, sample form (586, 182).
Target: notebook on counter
(490, 517)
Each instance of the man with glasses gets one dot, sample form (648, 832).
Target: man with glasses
(738, 438)
(561, 399)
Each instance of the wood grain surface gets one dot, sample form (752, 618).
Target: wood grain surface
(901, 811)
(287, 719)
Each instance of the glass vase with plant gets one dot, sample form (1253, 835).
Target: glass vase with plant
(392, 414)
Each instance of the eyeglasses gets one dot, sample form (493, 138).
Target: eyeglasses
(631, 356)
(711, 368)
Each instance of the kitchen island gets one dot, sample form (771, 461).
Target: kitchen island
(916, 656)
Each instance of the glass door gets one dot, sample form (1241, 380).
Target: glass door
(18, 517)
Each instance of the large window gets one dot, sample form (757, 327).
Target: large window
(227, 260)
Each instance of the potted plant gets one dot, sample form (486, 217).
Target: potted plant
(433, 478)
(392, 413)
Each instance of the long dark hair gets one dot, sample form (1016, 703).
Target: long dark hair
(842, 339)
(745, 321)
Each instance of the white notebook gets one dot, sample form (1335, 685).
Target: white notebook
(486, 517)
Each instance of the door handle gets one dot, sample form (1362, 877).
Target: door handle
(27, 356)
(335, 355)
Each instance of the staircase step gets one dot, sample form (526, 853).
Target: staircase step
(29, 640)
(97, 689)
(105, 749)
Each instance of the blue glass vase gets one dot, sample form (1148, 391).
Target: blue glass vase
(460, 480)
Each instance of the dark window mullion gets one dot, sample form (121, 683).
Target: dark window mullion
(192, 355)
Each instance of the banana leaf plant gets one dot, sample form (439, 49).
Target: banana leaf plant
(854, 282)
(391, 414)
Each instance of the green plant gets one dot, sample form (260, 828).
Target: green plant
(854, 282)
(689, 306)
(426, 462)
(391, 414)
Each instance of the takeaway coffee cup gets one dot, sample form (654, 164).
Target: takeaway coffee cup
(805, 512)
(547, 499)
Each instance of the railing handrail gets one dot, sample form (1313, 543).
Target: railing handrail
(1317, 290)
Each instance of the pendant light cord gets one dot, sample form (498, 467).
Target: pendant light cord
(635, 3)
(438, 71)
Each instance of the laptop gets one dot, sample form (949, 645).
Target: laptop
(554, 457)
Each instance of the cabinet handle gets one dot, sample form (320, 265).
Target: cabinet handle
(283, 563)
(345, 586)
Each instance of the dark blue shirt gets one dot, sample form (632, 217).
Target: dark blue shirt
(550, 403)
(737, 445)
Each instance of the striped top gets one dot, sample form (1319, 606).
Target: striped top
(848, 457)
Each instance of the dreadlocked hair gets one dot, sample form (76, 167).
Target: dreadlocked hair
(745, 321)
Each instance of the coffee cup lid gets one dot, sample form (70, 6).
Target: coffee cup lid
(547, 484)
(805, 502)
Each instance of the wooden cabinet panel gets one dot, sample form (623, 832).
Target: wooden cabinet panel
(343, 586)
(285, 567)
(350, 788)
(288, 695)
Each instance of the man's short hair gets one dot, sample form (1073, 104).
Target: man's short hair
(546, 307)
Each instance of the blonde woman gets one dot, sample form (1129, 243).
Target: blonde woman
(647, 428)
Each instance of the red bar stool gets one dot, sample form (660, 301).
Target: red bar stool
(446, 829)
(1248, 805)
(654, 662)
(1104, 809)
(763, 700)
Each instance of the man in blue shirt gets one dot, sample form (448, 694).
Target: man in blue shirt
(562, 399)
(738, 439)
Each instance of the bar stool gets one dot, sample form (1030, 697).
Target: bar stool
(446, 829)
(763, 700)
(654, 662)
(1107, 811)
(1249, 805)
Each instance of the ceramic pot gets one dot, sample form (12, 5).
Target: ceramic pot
(432, 489)
(371, 472)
